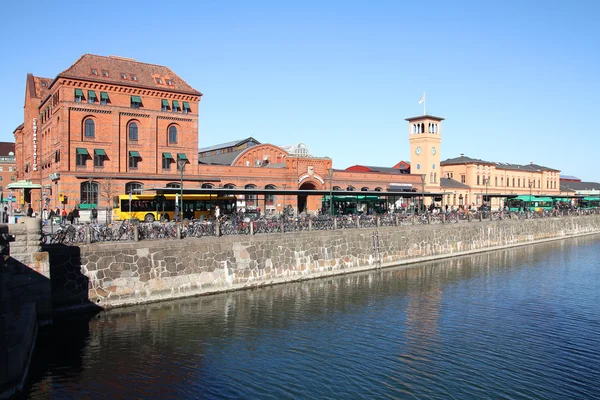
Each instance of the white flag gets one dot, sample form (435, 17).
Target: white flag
(422, 99)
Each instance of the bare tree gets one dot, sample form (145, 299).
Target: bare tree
(109, 187)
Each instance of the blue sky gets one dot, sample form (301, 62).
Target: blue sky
(516, 81)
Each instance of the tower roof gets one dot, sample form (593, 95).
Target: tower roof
(426, 116)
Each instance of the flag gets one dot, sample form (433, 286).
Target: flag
(422, 99)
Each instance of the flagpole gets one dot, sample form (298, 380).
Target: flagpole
(424, 103)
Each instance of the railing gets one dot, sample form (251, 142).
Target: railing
(128, 231)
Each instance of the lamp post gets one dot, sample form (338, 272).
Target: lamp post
(181, 164)
(330, 175)
(422, 193)
(486, 181)
(529, 193)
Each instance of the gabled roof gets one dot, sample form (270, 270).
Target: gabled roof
(464, 160)
(569, 177)
(449, 183)
(144, 73)
(221, 159)
(580, 185)
(227, 145)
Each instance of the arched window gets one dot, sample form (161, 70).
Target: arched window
(90, 128)
(229, 186)
(207, 186)
(172, 134)
(270, 198)
(133, 131)
(378, 189)
(350, 188)
(337, 188)
(88, 193)
(173, 185)
(364, 189)
(134, 188)
(435, 177)
(250, 199)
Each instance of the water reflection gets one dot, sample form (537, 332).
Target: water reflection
(462, 327)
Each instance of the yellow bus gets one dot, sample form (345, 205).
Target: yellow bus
(161, 207)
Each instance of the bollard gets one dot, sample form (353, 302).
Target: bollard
(88, 234)
(282, 225)
(480, 216)
(429, 219)
(414, 219)
(310, 225)
(251, 228)
(443, 218)
(397, 220)
(335, 223)
(178, 231)
(357, 222)
(377, 222)
(136, 233)
(469, 217)
(217, 228)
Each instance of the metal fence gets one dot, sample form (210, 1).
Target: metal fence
(128, 231)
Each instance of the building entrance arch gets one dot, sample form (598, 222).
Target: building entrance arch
(304, 205)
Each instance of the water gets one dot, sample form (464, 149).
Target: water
(515, 324)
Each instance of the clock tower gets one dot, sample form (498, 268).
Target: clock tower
(425, 138)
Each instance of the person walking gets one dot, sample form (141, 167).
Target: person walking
(217, 212)
(176, 213)
(94, 216)
(76, 215)
(30, 212)
(63, 217)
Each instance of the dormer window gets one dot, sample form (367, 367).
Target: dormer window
(104, 73)
(159, 81)
(44, 84)
(169, 82)
(94, 71)
(123, 76)
(133, 78)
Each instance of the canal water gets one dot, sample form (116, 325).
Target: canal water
(522, 323)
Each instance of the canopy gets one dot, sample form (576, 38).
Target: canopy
(23, 184)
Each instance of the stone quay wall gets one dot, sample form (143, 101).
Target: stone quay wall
(120, 274)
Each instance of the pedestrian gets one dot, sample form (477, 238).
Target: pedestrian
(76, 215)
(176, 213)
(217, 212)
(94, 216)
(5, 215)
(63, 217)
(30, 212)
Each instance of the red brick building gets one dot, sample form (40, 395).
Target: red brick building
(106, 126)
(8, 173)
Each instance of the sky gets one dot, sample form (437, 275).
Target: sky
(516, 81)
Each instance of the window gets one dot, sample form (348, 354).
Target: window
(10, 169)
(463, 179)
(94, 71)
(133, 78)
(186, 107)
(13, 178)
(99, 155)
(90, 128)
(478, 179)
(123, 75)
(250, 198)
(44, 84)
(103, 98)
(104, 73)
(134, 159)
(173, 185)
(81, 156)
(165, 105)
(159, 81)
(173, 134)
(136, 102)
(169, 82)
(167, 158)
(134, 188)
(91, 96)
(175, 106)
(89, 192)
(78, 95)
(133, 131)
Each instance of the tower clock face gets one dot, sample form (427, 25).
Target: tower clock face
(433, 150)
(418, 151)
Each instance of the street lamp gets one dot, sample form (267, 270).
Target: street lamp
(283, 205)
(486, 181)
(529, 193)
(181, 164)
(330, 175)
(422, 193)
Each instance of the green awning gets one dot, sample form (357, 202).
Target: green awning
(103, 96)
(99, 152)
(134, 154)
(165, 103)
(91, 94)
(136, 99)
(186, 105)
(82, 151)
(78, 93)
(168, 156)
(182, 156)
(175, 104)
